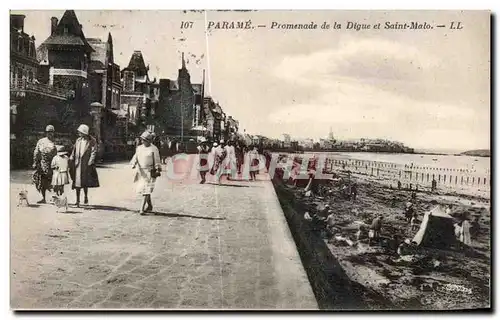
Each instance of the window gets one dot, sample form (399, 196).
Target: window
(65, 30)
(20, 44)
(128, 81)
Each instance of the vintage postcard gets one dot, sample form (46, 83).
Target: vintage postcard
(250, 160)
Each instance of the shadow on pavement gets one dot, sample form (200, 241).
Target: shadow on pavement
(31, 205)
(228, 185)
(179, 215)
(105, 208)
(72, 212)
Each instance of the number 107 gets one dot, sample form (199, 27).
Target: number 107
(186, 24)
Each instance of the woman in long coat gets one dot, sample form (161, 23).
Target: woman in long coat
(83, 156)
(44, 151)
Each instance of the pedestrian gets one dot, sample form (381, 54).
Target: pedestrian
(45, 150)
(399, 185)
(219, 154)
(239, 156)
(253, 156)
(82, 164)
(60, 176)
(203, 151)
(230, 163)
(146, 161)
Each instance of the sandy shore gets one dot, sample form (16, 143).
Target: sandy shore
(429, 279)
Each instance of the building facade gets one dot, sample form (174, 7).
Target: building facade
(66, 54)
(180, 106)
(135, 99)
(33, 103)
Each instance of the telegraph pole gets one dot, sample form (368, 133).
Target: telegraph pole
(182, 104)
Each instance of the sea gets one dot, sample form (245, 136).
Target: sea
(480, 165)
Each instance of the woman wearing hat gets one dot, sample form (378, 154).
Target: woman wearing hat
(60, 176)
(145, 159)
(45, 150)
(203, 151)
(83, 156)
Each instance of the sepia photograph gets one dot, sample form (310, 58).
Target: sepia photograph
(233, 160)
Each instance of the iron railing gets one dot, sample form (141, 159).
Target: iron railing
(26, 86)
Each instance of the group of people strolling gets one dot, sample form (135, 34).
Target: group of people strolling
(53, 167)
(228, 160)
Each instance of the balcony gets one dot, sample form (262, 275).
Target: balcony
(20, 88)
(69, 72)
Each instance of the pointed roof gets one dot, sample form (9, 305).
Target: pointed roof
(137, 64)
(110, 48)
(183, 62)
(68, 32)
(98, 57)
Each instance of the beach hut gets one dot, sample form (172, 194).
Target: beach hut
(436, 230)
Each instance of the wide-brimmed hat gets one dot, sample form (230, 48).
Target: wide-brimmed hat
(146, 136)
(215, 144)
(49, 128)
(83, 128)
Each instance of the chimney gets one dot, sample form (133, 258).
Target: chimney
(53, 25)
(17, 21)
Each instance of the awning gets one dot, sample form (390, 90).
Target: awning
(120, 113)
(199, 128)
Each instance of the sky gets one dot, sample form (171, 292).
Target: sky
(427, 89)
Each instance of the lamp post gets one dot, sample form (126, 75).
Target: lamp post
(95, 112)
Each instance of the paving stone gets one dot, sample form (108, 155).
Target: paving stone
(107, 256)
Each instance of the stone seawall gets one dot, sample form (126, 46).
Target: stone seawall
(331, 286)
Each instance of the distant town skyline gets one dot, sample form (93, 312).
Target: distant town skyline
(426, 89)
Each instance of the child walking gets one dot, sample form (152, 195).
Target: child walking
(60, 176)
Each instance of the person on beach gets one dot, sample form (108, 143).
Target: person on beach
(146, 161)
(60, 176)
(82, 164)
(45, 150)
(409, 211)
(448, 209)
(354, 191)
(375, 229)
(203, 151)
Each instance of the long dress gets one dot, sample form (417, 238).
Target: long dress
(145, 158)
(45, 150)
(219, 156)
(83, 172)
(230, 160)
(253, 156)
(203, 158)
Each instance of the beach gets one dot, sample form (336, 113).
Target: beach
(430, 278)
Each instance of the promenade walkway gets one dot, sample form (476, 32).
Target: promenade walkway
(204, 247)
